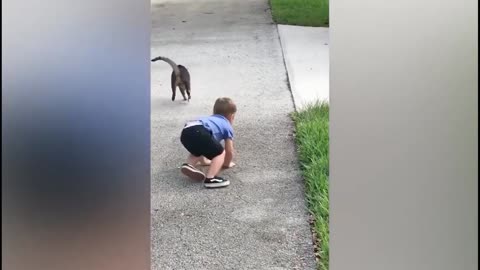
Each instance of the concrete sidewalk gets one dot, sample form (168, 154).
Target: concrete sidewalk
(306, 53)
(260, 221)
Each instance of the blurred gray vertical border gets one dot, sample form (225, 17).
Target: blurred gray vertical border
(76, 135)
(403, 135)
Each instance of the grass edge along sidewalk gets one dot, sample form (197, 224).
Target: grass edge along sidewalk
(300, 12)
(312, 139)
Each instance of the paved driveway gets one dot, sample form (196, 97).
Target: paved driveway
(232, 49)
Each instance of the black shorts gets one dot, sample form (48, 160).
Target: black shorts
(199, 142)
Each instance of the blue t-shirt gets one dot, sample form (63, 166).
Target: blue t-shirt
(219, 126)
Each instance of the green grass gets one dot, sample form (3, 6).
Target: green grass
(313, 144)
(300, 12)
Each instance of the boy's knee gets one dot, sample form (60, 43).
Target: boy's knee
(220, 156)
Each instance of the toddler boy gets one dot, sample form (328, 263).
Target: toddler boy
(202, 138)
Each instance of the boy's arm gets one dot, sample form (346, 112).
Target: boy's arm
(228, 153)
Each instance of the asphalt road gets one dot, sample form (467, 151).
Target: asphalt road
(231, 48)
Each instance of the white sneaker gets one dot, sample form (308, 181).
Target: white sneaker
(192, 172)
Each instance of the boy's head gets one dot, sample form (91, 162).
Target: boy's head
(225, 106)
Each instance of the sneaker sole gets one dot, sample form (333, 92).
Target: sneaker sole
(217, 185)
(192, 173)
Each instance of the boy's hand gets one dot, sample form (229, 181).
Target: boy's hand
(228, 166)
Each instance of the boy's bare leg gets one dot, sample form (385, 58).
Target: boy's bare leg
(216, 165)
(193, 160)
(204, 161)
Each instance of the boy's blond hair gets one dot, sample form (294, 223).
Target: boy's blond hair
(224, 106)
